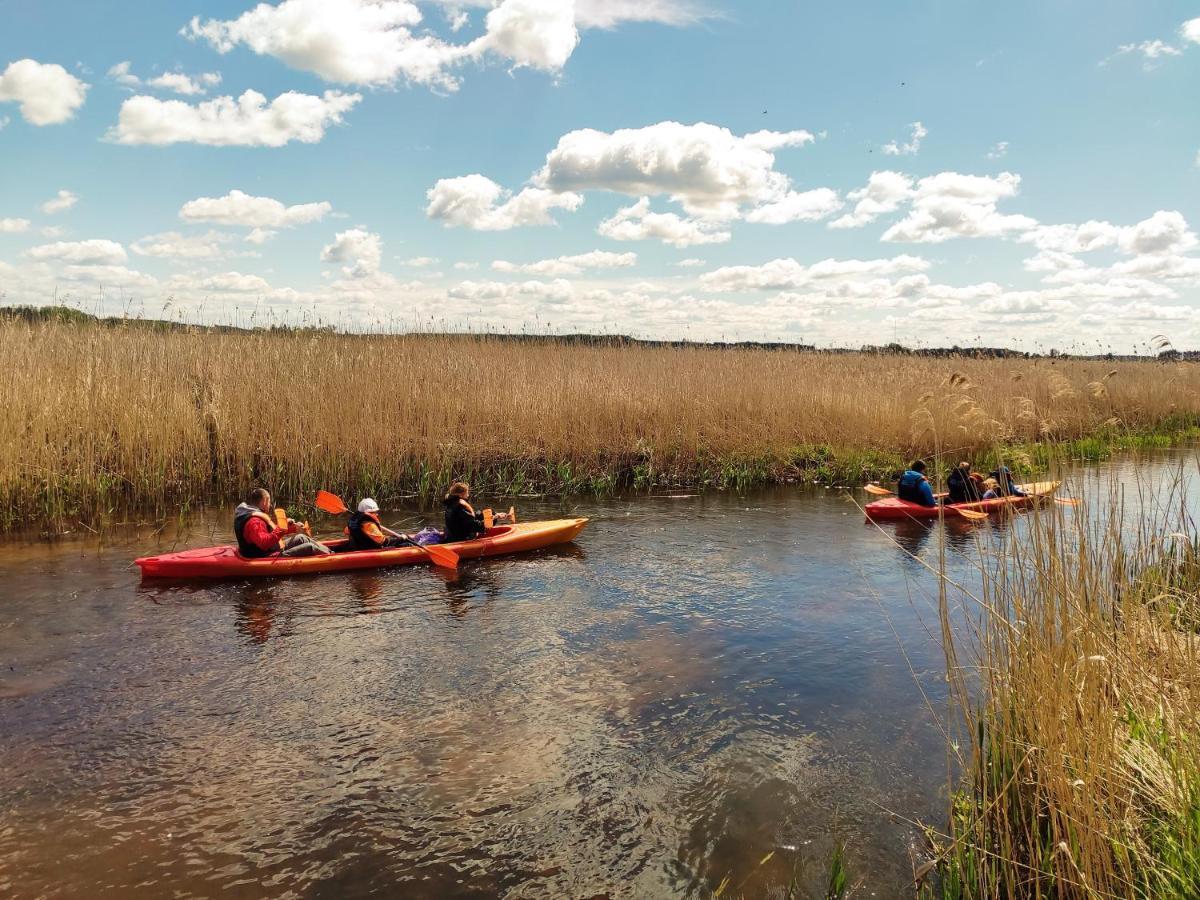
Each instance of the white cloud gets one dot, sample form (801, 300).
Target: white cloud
(949, 205)
(883, 193)
(1165, 232)
(638, 223)
(690, 263)
(913, 147)
(806, 206)
(476, 202)
(1150, 50)
(248, 121)
(240, 208)
(108, 276)
(47, 93)
(259, 236)
(708, 169)
(464, 266)
(173, 245)
(553, 291)
(999, 150)
(611, 13)
(176, 82)
(420, 262)
(13, 226)
(360, 249)
(789, 274)
(570, 265)
(536, 33)
(60, 202)
(94, 252)
(1190, 31)
(52, 231)
(233, 283)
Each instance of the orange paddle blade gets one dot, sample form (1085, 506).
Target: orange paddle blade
(281, 518)
(331, 503)
(442, 556)
(877, 490)
(973, 514)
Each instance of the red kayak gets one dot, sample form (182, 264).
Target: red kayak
(226, 562)
(891, 508)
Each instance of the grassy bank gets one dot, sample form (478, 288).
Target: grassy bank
(103, 417)
(1082, 769)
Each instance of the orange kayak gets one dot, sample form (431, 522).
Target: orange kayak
(226, 562)
(895, 508)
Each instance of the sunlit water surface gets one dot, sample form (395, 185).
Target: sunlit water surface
(697, 683)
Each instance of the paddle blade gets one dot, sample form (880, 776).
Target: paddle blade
(512, 516)
(973, 515)
(331, 503)
(281, 518)
(1067, 501)
(877, 490)
(442, 556)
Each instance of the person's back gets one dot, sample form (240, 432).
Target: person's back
(462, 522)
(914, 487)
(961, 486)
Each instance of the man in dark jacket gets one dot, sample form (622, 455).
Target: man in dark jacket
(961, 487)
(258, 536)
(914, 487)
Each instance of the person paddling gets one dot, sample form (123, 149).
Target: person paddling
(1007, 488)
(963, 485)
(367, 532)
(914, 487)
(462, 522)
(258, 536)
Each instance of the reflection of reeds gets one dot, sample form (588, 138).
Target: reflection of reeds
(98, 417)
(1082, 774)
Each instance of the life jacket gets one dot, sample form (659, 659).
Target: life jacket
(241, 516)
(960, 488)
(460, 524)
(359, 539)
(909, 487)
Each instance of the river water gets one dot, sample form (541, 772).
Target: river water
(698, 683)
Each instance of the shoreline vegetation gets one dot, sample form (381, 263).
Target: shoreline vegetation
(109, 418)
(1076, 718)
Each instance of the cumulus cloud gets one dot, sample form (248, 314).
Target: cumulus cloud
(477, 202)
(805, 206)
(173, 245)
(949, 205)
(176, 82)
(691, 262)
(360, 249)
(108, 276)
(247, 121)
(913, 147)
(91, 252)
(638, 223)
(47, 93)
(883, 193)
(790, 274)
(709, 170)
(240, 208)
(1190, 31)
(553, 291)
(570, 265)
(536, 33)
(233, 283)
(13, 226)
(60, 202)
(420, 262)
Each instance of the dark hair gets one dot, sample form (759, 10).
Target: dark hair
(918, 465)
(256, 496)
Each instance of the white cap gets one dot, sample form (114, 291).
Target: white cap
(368, 506)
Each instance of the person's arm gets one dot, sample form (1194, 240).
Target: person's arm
(261, 535)
(927, 498)
(371, 530)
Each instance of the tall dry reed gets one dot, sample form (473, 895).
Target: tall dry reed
(1083, 758)
(102, 416)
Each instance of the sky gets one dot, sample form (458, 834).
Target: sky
(931, 172)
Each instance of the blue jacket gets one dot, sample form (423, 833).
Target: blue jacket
(914, 487)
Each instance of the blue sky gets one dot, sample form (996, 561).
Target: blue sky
(1021, 174)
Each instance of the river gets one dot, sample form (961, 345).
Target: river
(698, 683)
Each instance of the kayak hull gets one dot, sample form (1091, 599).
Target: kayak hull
(226, 562)
(892, 508)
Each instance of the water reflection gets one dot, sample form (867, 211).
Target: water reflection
(254, 611)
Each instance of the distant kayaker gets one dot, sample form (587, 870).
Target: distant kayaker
(462, 522)
(991, 489)
(914, 487)
(963, 485)
(258, 535)
(367, 532)
(1006, 487)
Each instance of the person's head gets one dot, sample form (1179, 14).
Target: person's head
(965, 466)
(918, 465)
(368, 506)
(460, 489)
(1003, 471)
(991, 484)
(259, 498)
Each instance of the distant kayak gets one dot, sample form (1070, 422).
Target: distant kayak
(226, 562)
(895, 508)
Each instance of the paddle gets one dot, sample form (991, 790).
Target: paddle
(442, 556)
(973, 515)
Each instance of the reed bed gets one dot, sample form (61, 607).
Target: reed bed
(103, 417)
(1082, 765)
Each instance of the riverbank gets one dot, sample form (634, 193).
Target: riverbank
(1081, 761)
(105, 419)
